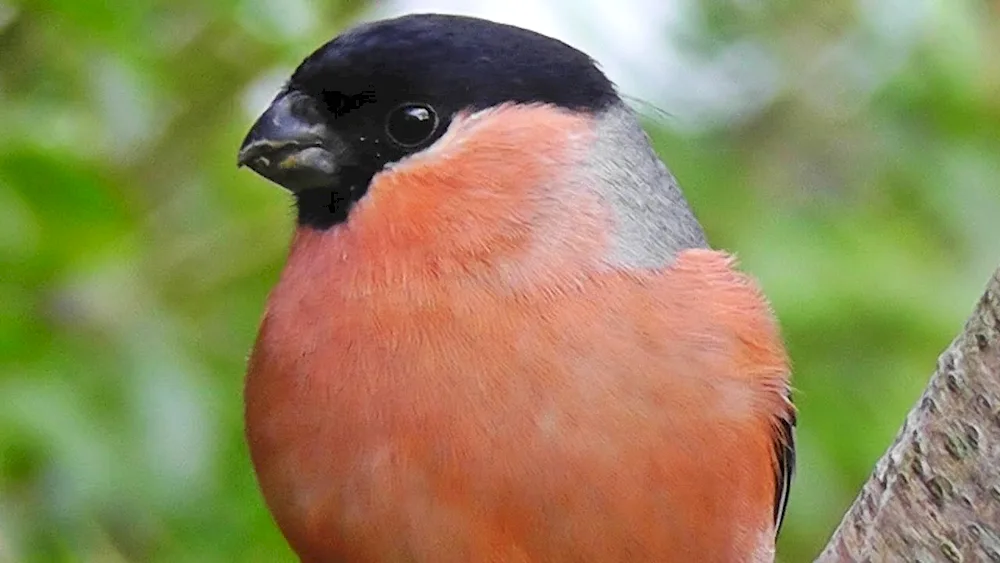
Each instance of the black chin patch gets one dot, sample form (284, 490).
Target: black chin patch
(322, 208)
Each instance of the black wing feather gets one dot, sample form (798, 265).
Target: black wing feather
(784, 447)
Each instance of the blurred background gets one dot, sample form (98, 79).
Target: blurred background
(848, 151)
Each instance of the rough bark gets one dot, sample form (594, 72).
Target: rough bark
(935, 494)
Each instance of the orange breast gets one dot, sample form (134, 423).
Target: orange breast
(608, 417)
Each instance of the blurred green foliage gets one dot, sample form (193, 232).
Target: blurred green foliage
(135, 259)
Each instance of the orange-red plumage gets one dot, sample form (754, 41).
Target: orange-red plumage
(459, 373)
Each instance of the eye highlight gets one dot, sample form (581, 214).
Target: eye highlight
(411, 124)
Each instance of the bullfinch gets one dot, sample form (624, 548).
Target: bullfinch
(500, 334)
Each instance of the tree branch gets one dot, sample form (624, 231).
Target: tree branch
(935, 494)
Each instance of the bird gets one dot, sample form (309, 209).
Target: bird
(500, 334)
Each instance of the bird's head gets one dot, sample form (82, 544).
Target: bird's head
(435, 129)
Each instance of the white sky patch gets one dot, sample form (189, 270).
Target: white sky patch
(7, 14)
(261, 92)
(132, 112)
(286, 19)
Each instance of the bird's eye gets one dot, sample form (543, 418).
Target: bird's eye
(411, 124)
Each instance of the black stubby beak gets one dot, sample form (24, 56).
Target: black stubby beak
(292, 145)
